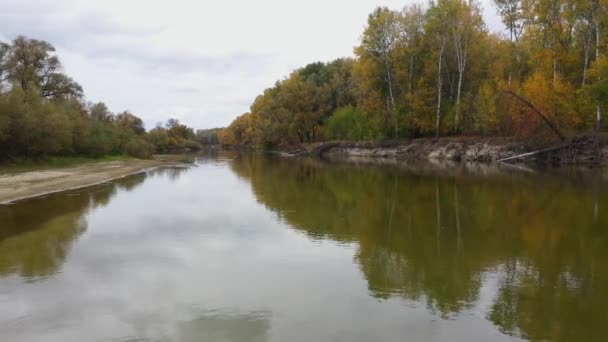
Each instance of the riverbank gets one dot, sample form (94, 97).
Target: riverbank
(583, 150)
(22, 185)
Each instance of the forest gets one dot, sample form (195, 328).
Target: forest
(43, 113)
(436, 70)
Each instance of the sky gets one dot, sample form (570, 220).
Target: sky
(202, 62)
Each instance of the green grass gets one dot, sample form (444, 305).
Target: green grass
(48, 163)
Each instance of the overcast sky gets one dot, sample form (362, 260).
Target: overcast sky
(202, 62)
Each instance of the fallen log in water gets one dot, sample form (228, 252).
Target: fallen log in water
(530, 154)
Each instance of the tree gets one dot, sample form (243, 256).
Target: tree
(4, 54)
(437, 25)
(378, 42)
(351, 123)
(208, 136)
(599, 88)
(159, 138)
(100, 112)
(410, 48)
(467, 27)
(130, 123)
(31, 63)
(431, 70)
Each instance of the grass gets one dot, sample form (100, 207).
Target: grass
(48, 163)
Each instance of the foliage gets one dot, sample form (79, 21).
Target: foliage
(599, 70)
(208, 136)
(438, 71)
(42, 113)
(351, 123)
(295, 109)
(139, 148)
(159, 138)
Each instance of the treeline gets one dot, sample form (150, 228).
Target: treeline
(43, 113)
(436, 70)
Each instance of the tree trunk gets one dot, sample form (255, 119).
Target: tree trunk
(586, 61)
(461, 58)
(411, 75)
(598, 109)
(554, 56)
(456, 115)
(537, 112)
(439, 86)
(598, 117)
(390, 93)
(409, 89)
(410, 82)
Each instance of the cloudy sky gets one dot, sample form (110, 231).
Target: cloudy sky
(200, 61)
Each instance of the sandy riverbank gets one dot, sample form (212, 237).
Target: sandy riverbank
(19, 186)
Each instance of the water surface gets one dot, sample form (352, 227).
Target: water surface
(255, 248)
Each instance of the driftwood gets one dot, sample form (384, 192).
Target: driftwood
(529, 154)
(537, 112)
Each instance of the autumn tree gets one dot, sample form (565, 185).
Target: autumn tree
(436, 70)
(378, 43)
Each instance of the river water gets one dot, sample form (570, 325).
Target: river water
(256, 248)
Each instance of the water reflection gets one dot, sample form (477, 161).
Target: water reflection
(253, 327)
(329, 252)
(437, 239)
(36, 234)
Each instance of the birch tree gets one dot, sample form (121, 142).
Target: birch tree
(437, 26)
(512, 16)
(378, 42)
(411, 37)
(467, 25)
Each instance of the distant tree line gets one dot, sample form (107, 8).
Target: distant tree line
(43, 113)
(208, 136)
(436, 70)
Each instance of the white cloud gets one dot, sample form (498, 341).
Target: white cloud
(201, 61)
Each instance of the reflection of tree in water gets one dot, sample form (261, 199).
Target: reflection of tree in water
(36, 234)
(209, 153)
(173, 173)
(433, 239)
(226, 328)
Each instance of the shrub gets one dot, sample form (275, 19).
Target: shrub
(139, 148)
(192, 145)
(351, 123)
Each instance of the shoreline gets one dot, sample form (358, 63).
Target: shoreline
(16, 187)
(585, 150)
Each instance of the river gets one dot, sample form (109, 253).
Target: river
(258, 248)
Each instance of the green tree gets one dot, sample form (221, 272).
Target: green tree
(100, 112)
(31, 63)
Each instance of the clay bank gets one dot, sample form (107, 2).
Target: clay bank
(584, 150)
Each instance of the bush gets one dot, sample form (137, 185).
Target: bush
(351, 123)
(192, 145)
(139, 148)
(159, 138)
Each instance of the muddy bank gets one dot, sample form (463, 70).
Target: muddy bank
(19, 186)
(578, 151)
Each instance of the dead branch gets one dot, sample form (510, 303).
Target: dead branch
(537, 112)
